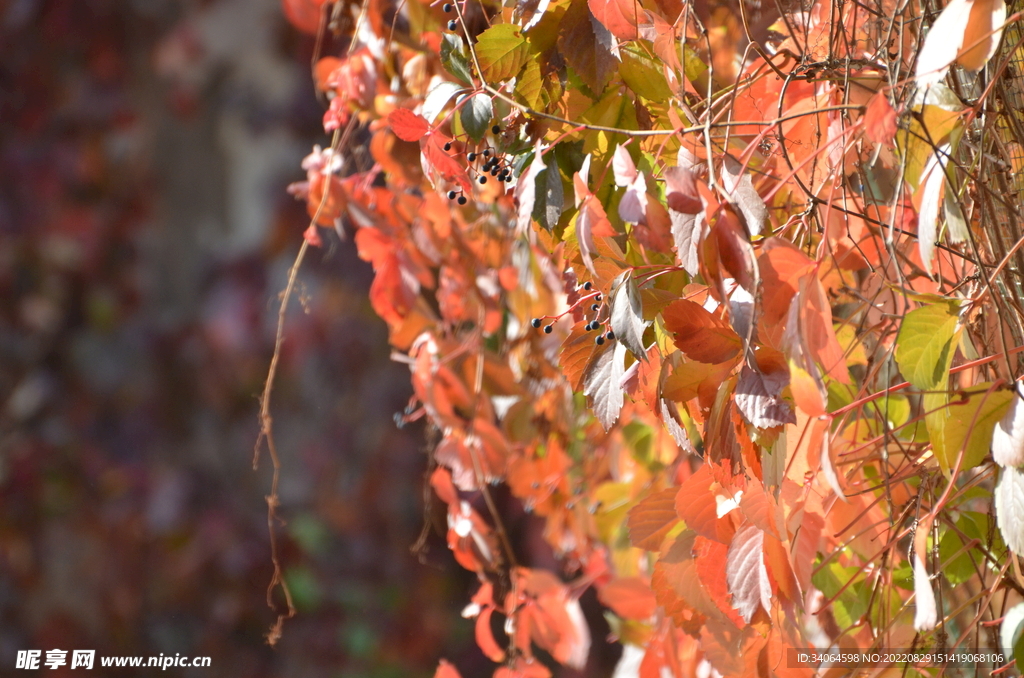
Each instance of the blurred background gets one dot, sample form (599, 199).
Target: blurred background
(145, 235)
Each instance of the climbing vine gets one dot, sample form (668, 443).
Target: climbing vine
(728, 293)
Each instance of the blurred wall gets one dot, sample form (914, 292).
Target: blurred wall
(145, 235)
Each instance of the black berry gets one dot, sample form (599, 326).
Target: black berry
(587, 327)
(446, 7)
(462, 200)
(448, 146)
(483, 180)
(599, 340)
(594, 307)
(588, 285)
(486, 152)
(452, 25)
(471, 156)
(547, 329)
(535, 322)
(609, 335)
(496, 129)
(451, 195)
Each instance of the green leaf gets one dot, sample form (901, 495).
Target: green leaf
(924, 348)
(644, 75)
(453, 57)
(476, 115)
(530, 84)
(968, 426)
(502, 51)
(959, 569)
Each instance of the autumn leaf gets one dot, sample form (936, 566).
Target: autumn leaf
(627, 316)
(446, 670)
(967, 31)
(526, 191)
(628, 597)
(620, 17)
(502, 51)
(711, 559)
(407, 125)
(700, 335)
(759, 399)
(880, 120)
(741, 193)
(746, 573)
(653, 518)
(677, 586)
(602, 383)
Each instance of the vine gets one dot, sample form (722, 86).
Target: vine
(757, 375)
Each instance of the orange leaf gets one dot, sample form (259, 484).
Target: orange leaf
(303, 14)
(628, 597)
(653, 518)
(408, 126)
(880, 120)
(577, 352)
(710, 557)
(620, 17)
(485, 637)
(677, 586)
(444, 164)
(816, 328)
(446, 670)
(781, 265)
(759, 506)
(697, 505)
(700, 335)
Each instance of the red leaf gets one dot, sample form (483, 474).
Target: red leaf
(700, 335)
(710, 557)
(816, 328)
(408, 126)
(731, 651)
(781, 264)
(805, 548)
(629, 597)
(779, 570)
(577, 352)
(485, 638)
(445, 165)
(446, 670)
(523, 668)
(697, 506)
(677, 586)
(303, 14)
(746, 573)
(760, 508)
(880, 120)
(620, 17)
(653, 518)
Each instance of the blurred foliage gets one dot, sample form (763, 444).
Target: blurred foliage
(144, 236)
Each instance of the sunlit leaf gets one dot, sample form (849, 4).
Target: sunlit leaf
(925, 344)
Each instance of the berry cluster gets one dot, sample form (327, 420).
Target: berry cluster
(492, 164)
(594, 299)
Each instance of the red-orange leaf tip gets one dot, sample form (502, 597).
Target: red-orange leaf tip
(407, 125)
